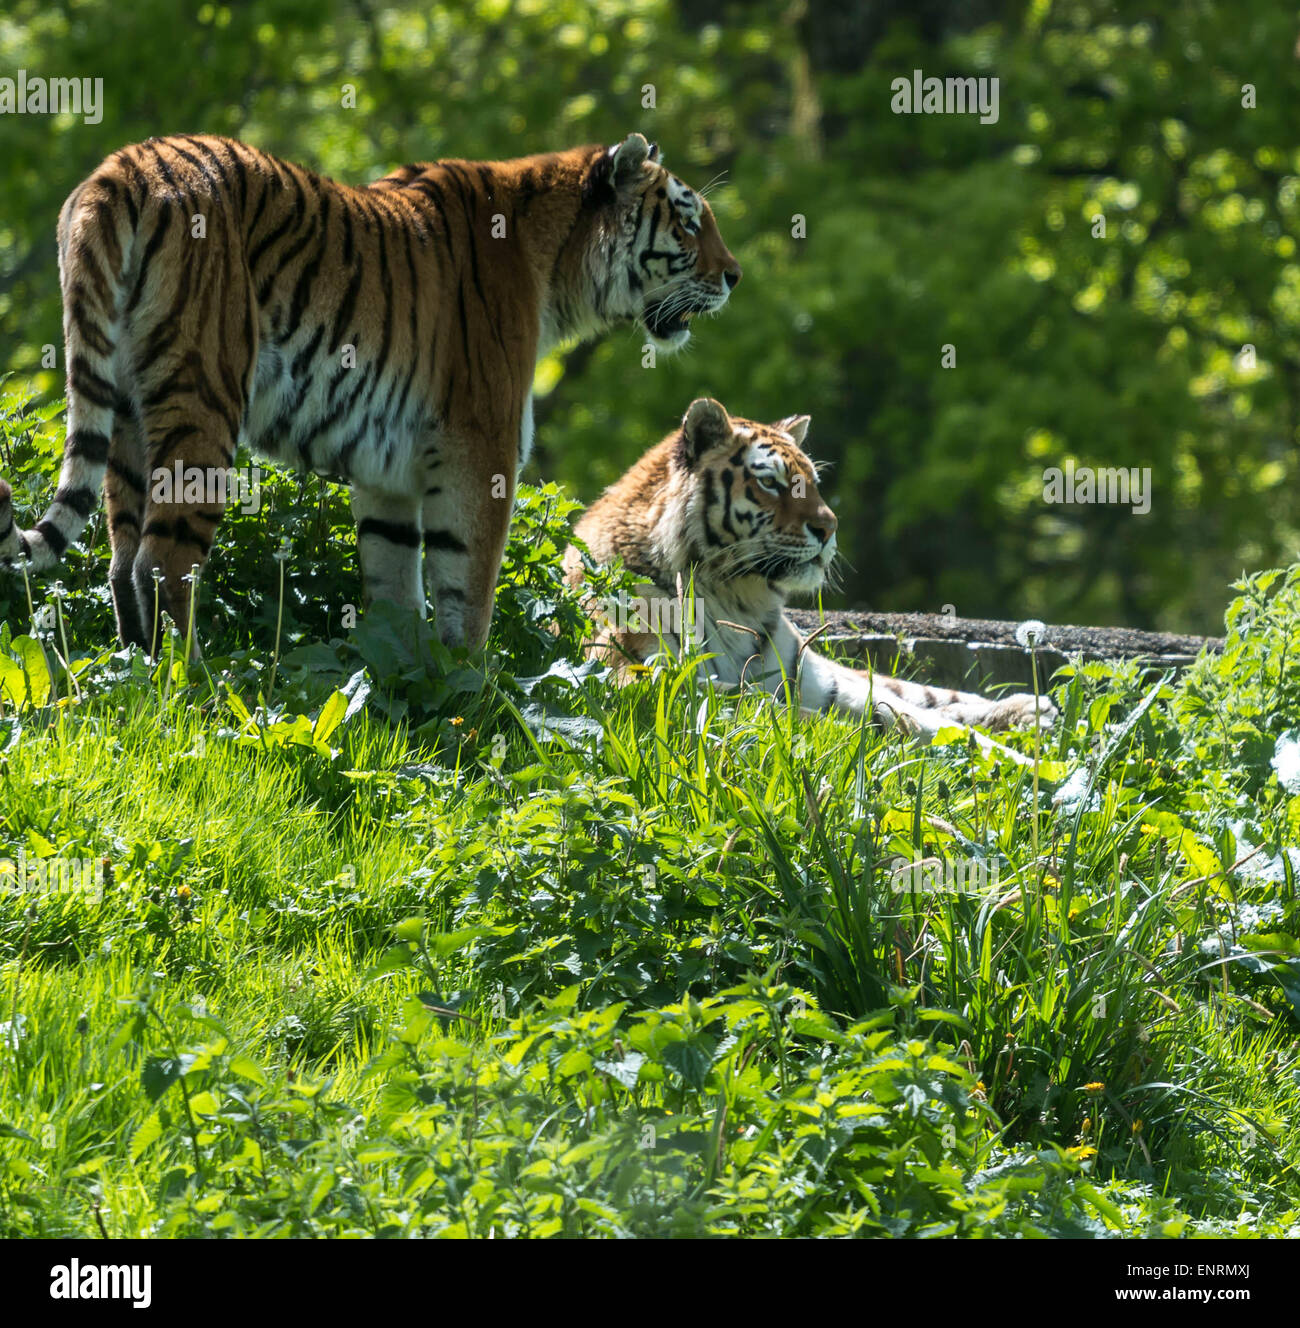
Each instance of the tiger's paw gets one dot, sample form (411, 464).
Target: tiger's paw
(1021, 710)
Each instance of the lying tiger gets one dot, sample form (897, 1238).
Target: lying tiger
(732, 508)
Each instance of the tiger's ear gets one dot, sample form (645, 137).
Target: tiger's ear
(616, 167)
(630, 155)
(796, 426)
(705, 425)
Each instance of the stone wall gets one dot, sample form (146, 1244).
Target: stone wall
(976, 653)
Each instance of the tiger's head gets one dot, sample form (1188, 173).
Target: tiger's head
(754, 518)
(668, 261)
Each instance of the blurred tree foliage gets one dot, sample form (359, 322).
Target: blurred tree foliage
(921, 231)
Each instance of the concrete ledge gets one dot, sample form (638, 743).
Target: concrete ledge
(976, 653)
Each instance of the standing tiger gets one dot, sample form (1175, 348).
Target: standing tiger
(732, 508)
(385, 336)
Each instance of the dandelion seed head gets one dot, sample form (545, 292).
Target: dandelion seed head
(1031, 633)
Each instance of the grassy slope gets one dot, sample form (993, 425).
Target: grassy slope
(639, 969)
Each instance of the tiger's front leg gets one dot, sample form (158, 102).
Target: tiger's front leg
(388, 545)
(1017, 710)
(914, 707)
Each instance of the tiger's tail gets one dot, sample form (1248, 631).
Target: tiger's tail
(95, 244)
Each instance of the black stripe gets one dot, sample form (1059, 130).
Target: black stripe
(343, 318)
(166, 387)
(444, 540)
(222, 167)
(83, 380)
(310, 269)
(205, 391)
(281, 264)
(163, 446)
(132, 210)
(166, 170)
(654, 230)
(80, 501)
(128, 476)
(108, 226)
(53, 536)
(255, 257)
(163, 335)
(185, 533)
(386, 287)
(726, 507)
(132, 167)
(150, 249)
(93, 336)
(88, 444)
(395, 532)
(525, 191)
(349, 251)
(302, 360)
(710, 502)
(258, 210)
(83, 260)
(426, 188)
(413, 304)
(215, 182)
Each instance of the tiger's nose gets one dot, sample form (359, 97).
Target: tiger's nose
(732, 277)
(822, 526)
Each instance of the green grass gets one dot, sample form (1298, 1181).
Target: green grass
(422, 946)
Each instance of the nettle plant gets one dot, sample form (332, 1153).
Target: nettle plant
(584, 1122)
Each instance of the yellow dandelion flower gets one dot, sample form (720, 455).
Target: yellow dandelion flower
(458, 721)
(1094, 1087)
(1137, 1126)
(184, 891)
(1083, 1152)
